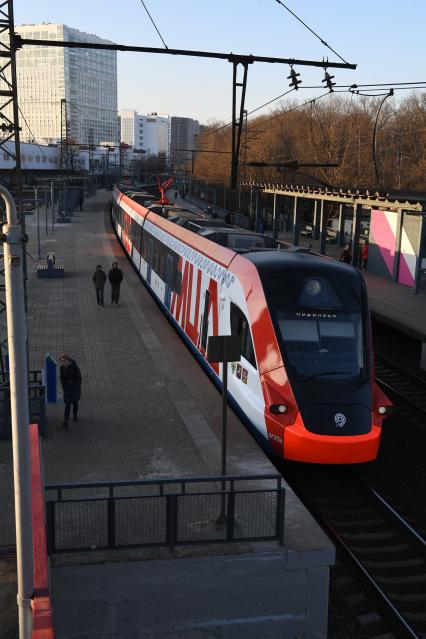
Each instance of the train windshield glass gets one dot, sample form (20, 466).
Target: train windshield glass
(323, 344)
(321, 328)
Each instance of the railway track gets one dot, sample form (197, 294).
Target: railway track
(386, 552)
(406, 386)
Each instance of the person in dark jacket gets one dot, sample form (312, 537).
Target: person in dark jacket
(99, 279)
(115, 277)
(346, 255)
(71, 385)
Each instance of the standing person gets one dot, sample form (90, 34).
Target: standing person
(115, 277)
(346, 255)
(364, 256)
(99, 279)
(71, 385)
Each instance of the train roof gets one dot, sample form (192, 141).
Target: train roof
(269, 263)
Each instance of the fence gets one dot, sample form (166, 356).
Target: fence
(171, 512)
(37, 403)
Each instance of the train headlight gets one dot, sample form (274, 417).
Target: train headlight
(278, 409)
(385, 410)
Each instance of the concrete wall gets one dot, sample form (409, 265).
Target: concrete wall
(247, 596)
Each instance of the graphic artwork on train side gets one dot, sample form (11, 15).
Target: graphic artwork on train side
(305, 384)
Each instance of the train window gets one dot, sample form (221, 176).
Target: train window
(205, 324)
(323, 344)
(240, 326)
(177, 275)
(144, 248)
(178, 282)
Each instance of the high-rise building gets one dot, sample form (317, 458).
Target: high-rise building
(149, 133)
(85, 78)
(183, 140)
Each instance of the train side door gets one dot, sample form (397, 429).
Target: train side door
(169, 280)
(150, 258)
(244, 381)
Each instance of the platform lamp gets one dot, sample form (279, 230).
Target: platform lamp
(224, 349)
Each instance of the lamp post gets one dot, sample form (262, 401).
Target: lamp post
(36, 189)
(18, 377)
(108, 149)
(224, 349)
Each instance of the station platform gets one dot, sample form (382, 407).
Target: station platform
(390, 303)
(149, 411)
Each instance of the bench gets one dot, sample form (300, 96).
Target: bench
(50, 270)
(307, 232)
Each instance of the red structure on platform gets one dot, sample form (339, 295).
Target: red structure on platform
(42, 605)
(162, 188)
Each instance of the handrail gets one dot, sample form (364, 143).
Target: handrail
(175, 480)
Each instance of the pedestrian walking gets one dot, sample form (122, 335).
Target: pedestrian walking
(346, 255)
(71, 385)
(115, 277)
(99, 279)
(364, 256)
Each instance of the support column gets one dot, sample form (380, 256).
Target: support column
(296, 229)
(421, 257)
(323, 229)
(275, 219)
(341, 231)
(356, 226)
(256, 214)
(316, 222)
(18, 375)
(398, 234)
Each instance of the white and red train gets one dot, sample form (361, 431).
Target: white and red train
(305, 381)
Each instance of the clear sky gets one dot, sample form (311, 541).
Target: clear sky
(384, 37)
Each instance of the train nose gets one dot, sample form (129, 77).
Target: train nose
(337, 419)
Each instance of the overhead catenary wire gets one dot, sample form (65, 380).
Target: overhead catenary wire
(155, 26)
(311, 30)
(340, 88)
(343, 88)
(299, 106)
(223, 126)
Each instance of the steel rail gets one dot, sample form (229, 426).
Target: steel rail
(393, 609)
(406, 373)
(397, 516)
(323, 520)
(386, 385)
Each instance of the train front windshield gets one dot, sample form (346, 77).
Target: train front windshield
(321, 327)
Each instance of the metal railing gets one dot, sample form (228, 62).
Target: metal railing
(164, 512)
(36, 398)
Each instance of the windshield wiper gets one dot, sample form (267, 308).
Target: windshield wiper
(303, 378)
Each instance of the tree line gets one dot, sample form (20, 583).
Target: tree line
(338, 130)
